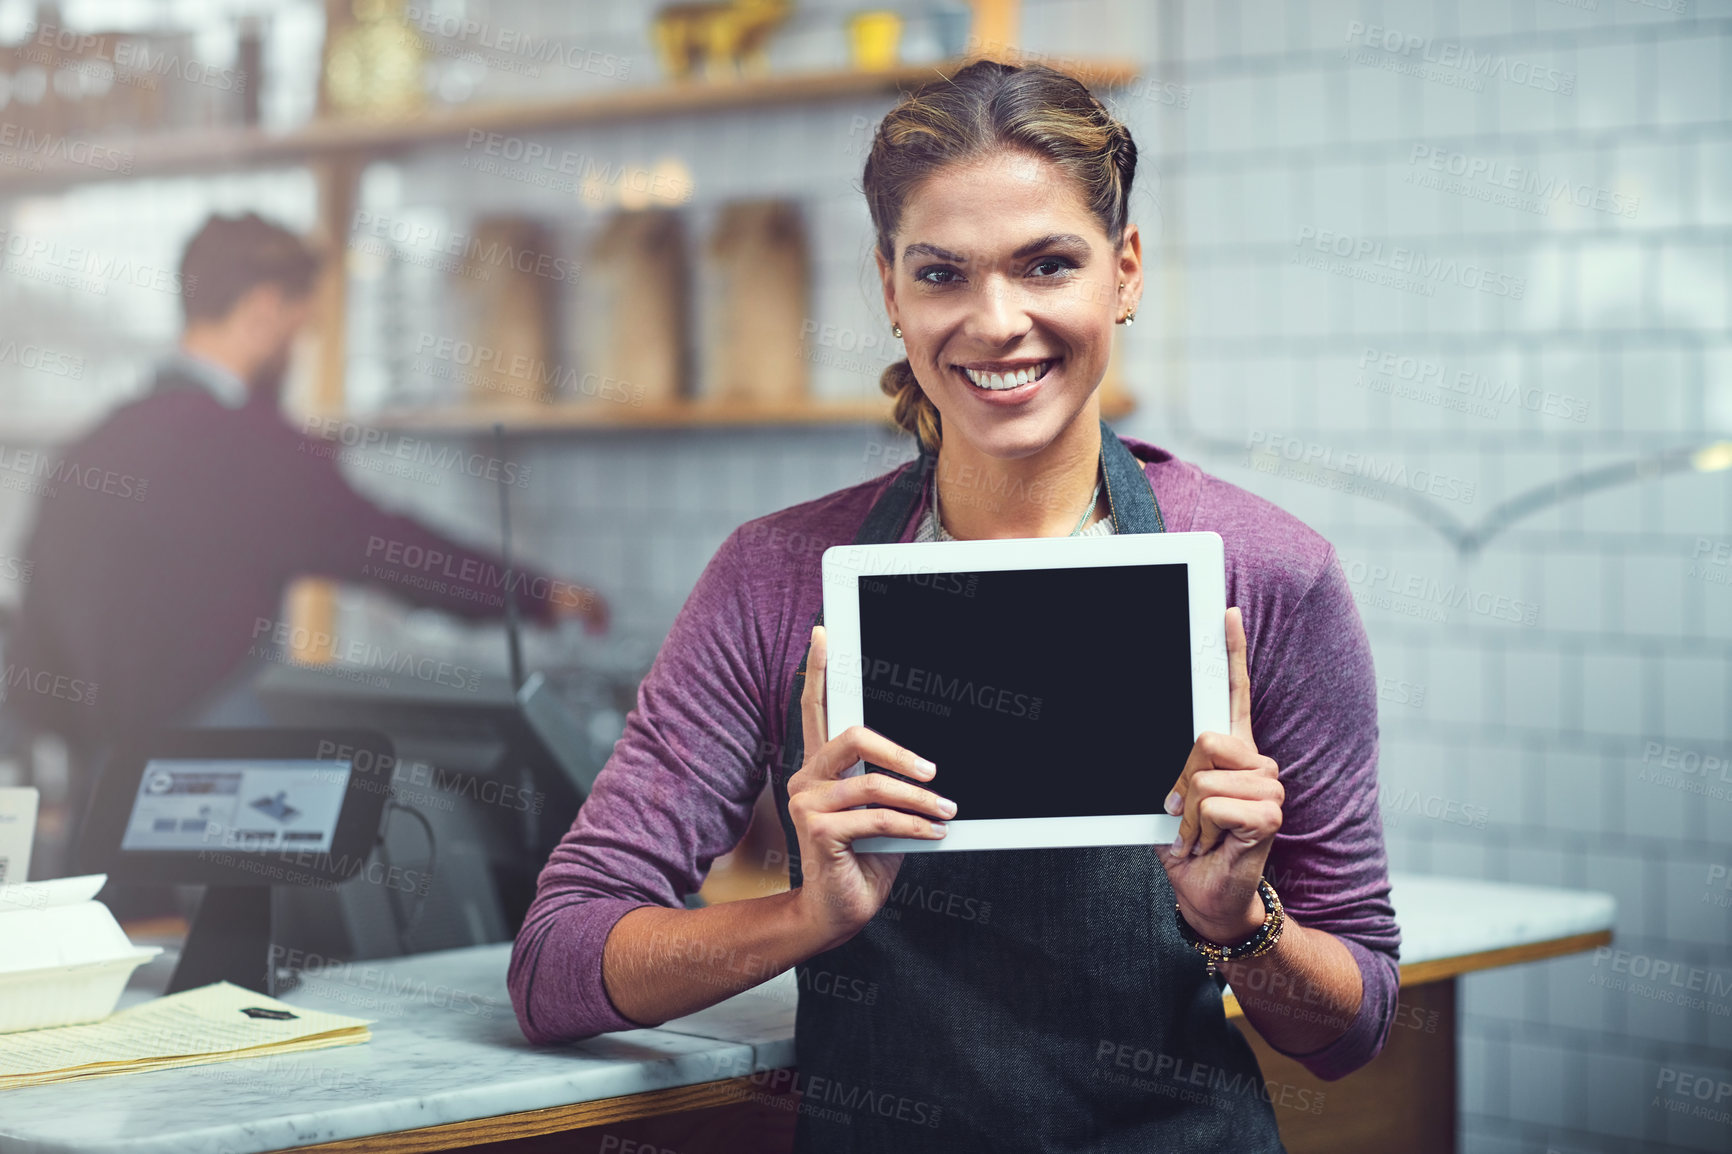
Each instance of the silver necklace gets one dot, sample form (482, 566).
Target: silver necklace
(944, 534)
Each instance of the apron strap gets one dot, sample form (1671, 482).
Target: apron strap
(1126, 483)
(889, 514)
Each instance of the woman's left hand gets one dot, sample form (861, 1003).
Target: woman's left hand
(1231, 798)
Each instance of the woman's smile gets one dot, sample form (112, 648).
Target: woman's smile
(1006, 382)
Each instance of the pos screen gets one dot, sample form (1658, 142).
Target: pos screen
(193, 804)
(239, 807)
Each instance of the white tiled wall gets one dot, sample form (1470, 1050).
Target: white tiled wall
(1281, 130)
(1545, 727)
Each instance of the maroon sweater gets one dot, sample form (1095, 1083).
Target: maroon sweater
(164, 539)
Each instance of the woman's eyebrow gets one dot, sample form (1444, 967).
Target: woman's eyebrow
(1068, 240)
(932, 250)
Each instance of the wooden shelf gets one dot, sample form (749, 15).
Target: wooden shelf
(521, 420)
(699, 414)
(189, 152)
(552, 418)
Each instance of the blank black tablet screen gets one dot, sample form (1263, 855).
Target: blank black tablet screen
(1038, 692)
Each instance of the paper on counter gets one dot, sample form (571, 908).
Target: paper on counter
(17, 831)
(209, 1024)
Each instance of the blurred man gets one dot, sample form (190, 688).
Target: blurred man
(161, 557)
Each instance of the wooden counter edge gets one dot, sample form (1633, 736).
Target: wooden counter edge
(1438, 969)
(551, 1120)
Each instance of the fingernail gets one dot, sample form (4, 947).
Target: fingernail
(947, 807)
(938, 826)
(925, 766)
(1179, 845)
(1175, 804)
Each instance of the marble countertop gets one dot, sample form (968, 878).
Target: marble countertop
(1453, 917)
(446, 1047)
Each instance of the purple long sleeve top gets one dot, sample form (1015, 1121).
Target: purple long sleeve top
(679, 789)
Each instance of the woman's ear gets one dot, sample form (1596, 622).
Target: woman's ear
(887, 276)
(1131, 268)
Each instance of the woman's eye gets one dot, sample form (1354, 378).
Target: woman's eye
(935, 274)
(1051, 266)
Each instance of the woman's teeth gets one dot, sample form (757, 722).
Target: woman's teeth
(1007, 380)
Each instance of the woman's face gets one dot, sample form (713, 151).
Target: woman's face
(1007, 290)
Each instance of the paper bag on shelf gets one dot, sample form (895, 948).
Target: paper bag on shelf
(510, 281)
(757, 280)
(632, 309)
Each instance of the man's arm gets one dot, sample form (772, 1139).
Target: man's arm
(348, 537)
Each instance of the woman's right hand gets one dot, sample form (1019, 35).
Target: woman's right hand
(840, 890)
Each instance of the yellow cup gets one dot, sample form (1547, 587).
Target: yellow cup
(873, 39)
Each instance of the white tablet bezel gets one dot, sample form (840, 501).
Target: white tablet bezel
(1201, 554)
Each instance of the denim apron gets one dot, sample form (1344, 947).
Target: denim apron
(1011, 1000)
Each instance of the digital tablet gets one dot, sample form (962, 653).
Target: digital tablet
(1058, 683)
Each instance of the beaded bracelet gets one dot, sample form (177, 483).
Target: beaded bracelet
(1255, 946)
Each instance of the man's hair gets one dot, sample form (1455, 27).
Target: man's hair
(229, 255)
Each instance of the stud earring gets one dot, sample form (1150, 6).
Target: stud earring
(896, 331)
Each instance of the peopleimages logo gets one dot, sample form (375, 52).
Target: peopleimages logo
(333, 433)
(132, 59)
(1226, 1088)
(512, 48)
(46, 683)
(42, 359)
(1418, 595)
(1513, 178)
(1382, 470)
(364, 656)
(1411, 374)
(465, 247)
(36, 473)
(1663, 980)
(926, 686)
(1460, 64)
(85, 269)
(1406, 262)
(537, 377)
(47, 145)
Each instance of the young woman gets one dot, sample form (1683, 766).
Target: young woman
(1017, 999)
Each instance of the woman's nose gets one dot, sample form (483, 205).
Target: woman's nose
(997, 315)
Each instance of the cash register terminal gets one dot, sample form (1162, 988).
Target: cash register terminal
(239, 811)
